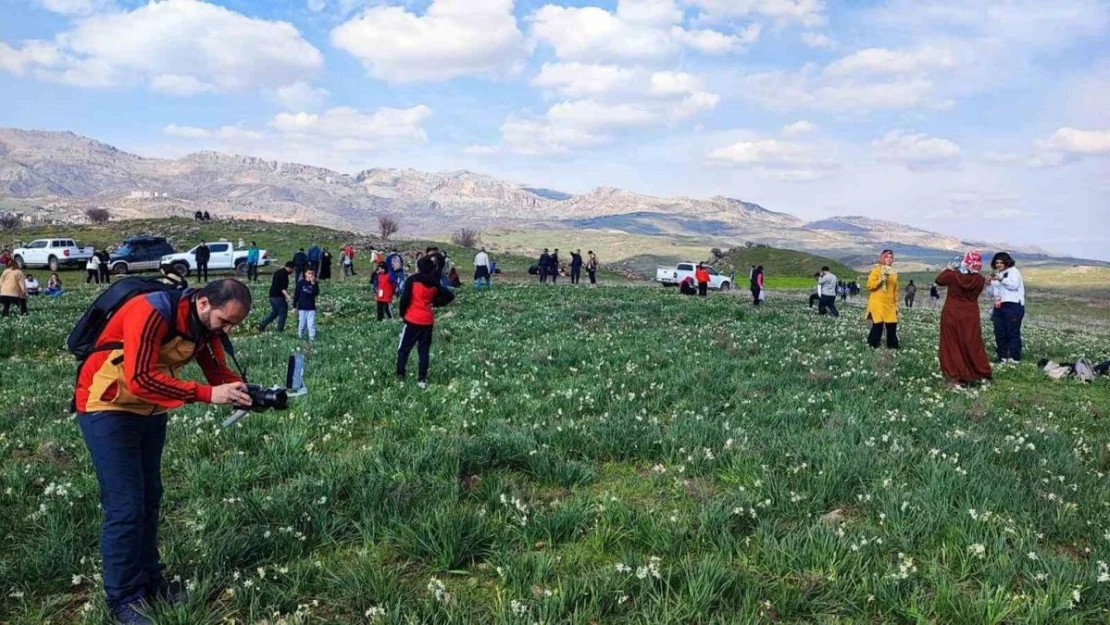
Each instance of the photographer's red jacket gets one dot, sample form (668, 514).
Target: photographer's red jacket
(141, 377)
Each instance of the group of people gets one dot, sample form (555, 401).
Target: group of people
(549, 266)
(98, 267)
(16, 287)
(202, 216)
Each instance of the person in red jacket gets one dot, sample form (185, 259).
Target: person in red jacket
(123, 392)
(383, 292)
(701, 274)
(420, 294)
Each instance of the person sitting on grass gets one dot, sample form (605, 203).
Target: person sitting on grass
(32, 285)
(304, 301)
(420, 294)
(686, 287)
(53, 286)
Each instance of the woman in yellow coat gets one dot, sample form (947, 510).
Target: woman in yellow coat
(882, 304)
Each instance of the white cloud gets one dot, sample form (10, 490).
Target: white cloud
(818, 40)
(806, 12)
(75, 7)
(809, 90)
(799, 127)
(886, 61)
(453, 38)
(1080, 142)
(675, 83)
(591, 34)
(649, 12)
(186, 132)
(228, 133)
(915, 150)
(780, 160)
(300, 96)
(177, 46)
(1001, 158)
(316, 5)
(346, 123)
(585, 80)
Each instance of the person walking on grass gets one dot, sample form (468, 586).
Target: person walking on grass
(826, 292)
(300, 264)
(279, 299)
(934, 295)
(203, 255)
(421, 294)
(963, 359)
(911, 294)
(576, 266)
(591, 267)
(253, 254)
(1008, 289)
(314, 258)
(304, 301)
(349, 251)
(383, 293)
(482, 269)
(346, 264)
(92, 269)
(124, 390)
(757, 285)
(882, 304)
(13, 289)
(701, 275)
(105, 266)
(325, 264)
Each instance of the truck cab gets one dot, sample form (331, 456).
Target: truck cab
(142, 253)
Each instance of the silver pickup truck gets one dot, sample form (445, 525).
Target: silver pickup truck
(52, 254)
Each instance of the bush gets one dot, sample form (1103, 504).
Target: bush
(9, 221)
(388, 225)
(98, 215)
(466, 237)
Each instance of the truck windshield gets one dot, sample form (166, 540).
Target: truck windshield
(123, 250)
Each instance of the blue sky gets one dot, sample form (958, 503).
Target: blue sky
(989, 119)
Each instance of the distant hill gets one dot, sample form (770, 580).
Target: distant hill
(781, 263)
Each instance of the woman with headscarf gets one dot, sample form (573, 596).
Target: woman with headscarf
(963, 359)
(757, 285)
(882, 304)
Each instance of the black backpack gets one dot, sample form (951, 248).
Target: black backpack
(82, 339)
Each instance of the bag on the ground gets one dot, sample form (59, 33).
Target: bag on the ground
(82, 339)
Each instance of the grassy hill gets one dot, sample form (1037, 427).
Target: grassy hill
(612, 455)
(780, 263)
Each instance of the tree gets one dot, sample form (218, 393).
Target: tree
(717, 253)
(388, 225)
(466, 237)
(98, 215)
(9, 221)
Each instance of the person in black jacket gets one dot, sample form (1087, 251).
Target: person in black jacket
(304, 300)
(554, 267)
(575, 266)
(203, 255)
(279, 299)
(419, 295)
(544, 265)
(300, 262)
(105, 268)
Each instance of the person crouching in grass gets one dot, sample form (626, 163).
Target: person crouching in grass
(304, 300)
(383, 292)
(419, 295)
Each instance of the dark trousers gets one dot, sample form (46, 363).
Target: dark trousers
(909, 299)
(874, 339)
(813, 299)
(7, 300)
(252, 272)
(554, 275)
(279, 309)
(383, 311)
(202, 271)
(703, 289)
(593, 275)
(105, 274)
(314, 265)
(126, 451)
(575, 274)
(755, 295)
(298, 273)
(421, 337)
(543, 275)
(827, 306)
(93, 276)
(1007, 330)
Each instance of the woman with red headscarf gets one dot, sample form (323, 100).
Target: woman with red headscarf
(963, 359)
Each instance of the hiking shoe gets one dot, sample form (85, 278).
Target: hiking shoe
(130, 615)
(422, 384)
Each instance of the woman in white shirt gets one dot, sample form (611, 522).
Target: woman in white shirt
(92, 267)
(1008, 289)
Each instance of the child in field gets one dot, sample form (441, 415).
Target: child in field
(383, 292)
(304, 301)
(421, 293)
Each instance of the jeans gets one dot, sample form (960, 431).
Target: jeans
(1007, 330)
(593, 275)
(543, 275)
(575, 274)
(384, 311)
(202, 271)
(126, 451)
(93, 276)
(875, 337)
(909, 299)
(306, 321)
(826, 305)
(703, 289)
(420, 337)
(279, 309)
(252, 272)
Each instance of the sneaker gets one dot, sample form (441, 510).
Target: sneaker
(422, 384)
(171, 593)
(130, 615)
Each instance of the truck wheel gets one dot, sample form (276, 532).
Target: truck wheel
(19, 262)
(725, 286)
(52, 263)
(120, 269)
(181, 268)
(241, 268)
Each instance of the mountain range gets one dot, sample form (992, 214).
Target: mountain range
(57, 175)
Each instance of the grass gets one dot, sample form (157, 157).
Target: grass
(612, 455)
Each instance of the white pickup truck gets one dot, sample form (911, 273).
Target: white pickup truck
(52, 254)
(672, 276)
(223, 256)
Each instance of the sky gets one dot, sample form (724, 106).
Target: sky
(987, 119)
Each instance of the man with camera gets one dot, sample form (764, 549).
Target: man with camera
(124, 389)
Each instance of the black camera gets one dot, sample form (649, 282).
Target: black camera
(265, 398)
(272, 398)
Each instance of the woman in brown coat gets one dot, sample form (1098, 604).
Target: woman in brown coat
(963, 359)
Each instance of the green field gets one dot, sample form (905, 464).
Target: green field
(611, 455)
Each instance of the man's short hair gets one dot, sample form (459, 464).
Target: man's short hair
(825, 268)
(289, 265)
(425, 265)
(219, 293)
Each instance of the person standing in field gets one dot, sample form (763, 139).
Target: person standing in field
(701, 276)
(349, 250)
(911, 294)
(591, 267)
(395, 262)
(300, 263)
(253, 254)
(419, 296)
(482, 269)
(304, 301)
(105, 266)
(826, 291)
(13, 289)
(934, 295)
(544, 265)
(963, 359)
(757, 285)
(325, 264)
(279, 298)
(203, 255)
(383, 293)
(314, 252)
(882, 303)
(92, 269)
(345, 265)
(576, 266)
(1008, 289)
(554, 267)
